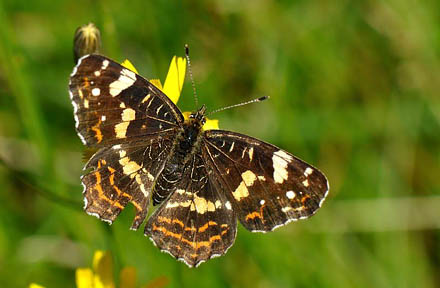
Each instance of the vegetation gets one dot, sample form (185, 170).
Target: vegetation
(354, 91)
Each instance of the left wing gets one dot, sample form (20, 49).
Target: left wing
(268, 187)
(113, 105)
(124, 173)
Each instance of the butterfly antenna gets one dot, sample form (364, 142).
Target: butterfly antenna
(196, 99)
(240, 104)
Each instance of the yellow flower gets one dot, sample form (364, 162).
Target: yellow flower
(101, 275)
(173, 85)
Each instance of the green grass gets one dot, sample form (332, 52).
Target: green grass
(354, 91)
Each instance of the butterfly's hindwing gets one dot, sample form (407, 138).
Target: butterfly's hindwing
(113, 104)
(196, 222)
(267, 186)
(123, 173)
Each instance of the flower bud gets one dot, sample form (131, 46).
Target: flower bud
(87, 40)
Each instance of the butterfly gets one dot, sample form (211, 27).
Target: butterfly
(202, 181)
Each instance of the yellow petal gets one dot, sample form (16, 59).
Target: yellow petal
(127, 64)
(156, 82)
(211, 124)
(84, 278)
(128, 278)
(175, 77)
(103, 267)
(186, 115)
(33, 285)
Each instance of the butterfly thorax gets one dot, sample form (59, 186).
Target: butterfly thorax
(186, 144)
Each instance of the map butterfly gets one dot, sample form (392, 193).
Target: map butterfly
(203, 181)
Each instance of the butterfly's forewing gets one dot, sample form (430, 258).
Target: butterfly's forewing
(132, 123)
(268, 187)
(196, 222)
(113, 105)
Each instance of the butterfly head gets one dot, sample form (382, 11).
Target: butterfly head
(198, 117)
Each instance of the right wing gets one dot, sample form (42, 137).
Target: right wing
(196, 222)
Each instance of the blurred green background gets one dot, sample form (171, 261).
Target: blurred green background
(354, 89)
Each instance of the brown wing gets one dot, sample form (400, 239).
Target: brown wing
(196, 222)
(113, 104)
(267, 187)
(124, 173)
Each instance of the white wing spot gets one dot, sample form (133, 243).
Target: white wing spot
(104, 64)
(150, 177)
(308, 171)
(283, 154)
(251, 153)
(141, 185)
(103, 118)
(125, 80)
(280, 163)
(228, 205)
(241, 191)
(306, 183)
(96, 91)
(248, 178)
(201, 205)
(290, 194)
(129, 167)
(262, 202)
(183, 192)
(178, 204)
(128, 114)
(122, 153)
(97, 73)
(286, 209)
(121, 129)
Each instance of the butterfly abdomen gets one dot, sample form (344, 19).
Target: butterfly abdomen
(185, 145)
